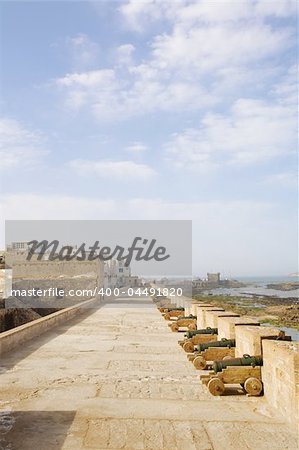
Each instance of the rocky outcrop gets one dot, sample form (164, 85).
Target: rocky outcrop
(289, 286)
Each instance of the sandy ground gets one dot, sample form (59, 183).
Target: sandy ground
(115, 378)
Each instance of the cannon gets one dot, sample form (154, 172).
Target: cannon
(179, 308)
(222, 343)
(169, 308)
(184, 322)
(245, 371)
(212, 351)
(208, 330)
(173, 312)
(198, 337)
(246, 360)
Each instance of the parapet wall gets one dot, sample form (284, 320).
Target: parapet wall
(9, 340)
(280, 375)
(249, 339)
(227, 325)
(201, 314)
(212, 317)
(54, 269)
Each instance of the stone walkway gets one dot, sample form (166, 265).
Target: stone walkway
(115, 378)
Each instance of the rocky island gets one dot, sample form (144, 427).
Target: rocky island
(285, 286)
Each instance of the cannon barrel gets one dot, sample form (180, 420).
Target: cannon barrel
(208, 330)
(223, 343)
(247, 360)
(176, 309)
(187, 317)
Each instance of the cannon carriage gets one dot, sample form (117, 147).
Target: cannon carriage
(194, 337)
(173, 313)
(188, 322)
(206, 353)
(245, 371)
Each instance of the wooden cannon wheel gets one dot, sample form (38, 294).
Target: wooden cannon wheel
(192, 327)
(166, 316)
(174, 327)
(200, 363)
(253, 386)
(188, 347)
(216, 386)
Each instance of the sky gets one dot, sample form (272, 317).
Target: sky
(156, 110)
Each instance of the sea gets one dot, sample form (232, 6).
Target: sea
(258, 286)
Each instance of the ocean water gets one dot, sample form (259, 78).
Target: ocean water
(258, 286)
(269, 279)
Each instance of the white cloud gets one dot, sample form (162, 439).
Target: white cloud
(108, 95)
(95, 89)
(209, 48)
(278, 8)
(208, 51)
(139, 16)
(124, 54)
(253, 131)
(136, 147)
(119, 170)
(19, 146)
(283, 179)
(139, 13)
(33, 206)
(287, 89)
(92, 79)
(83, 51)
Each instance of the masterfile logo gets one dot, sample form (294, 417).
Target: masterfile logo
(56, 264)
(146, 250)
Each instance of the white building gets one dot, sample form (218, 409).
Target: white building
(18, 246)
(116, 274)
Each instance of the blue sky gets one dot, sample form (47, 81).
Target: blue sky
(156, 110)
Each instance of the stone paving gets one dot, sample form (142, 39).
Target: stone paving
(115, 378)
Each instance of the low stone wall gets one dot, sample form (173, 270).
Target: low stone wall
(249, 339)
(14, 338)
(213, 316)
(194, 305)
(201, 314)
(227, 325)
(280, 374)
(53, 269)
(181, 301)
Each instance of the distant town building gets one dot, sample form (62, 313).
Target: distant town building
(213, 281)
(119, 275)
(213, 277)
(5, 277)
(18, 246)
